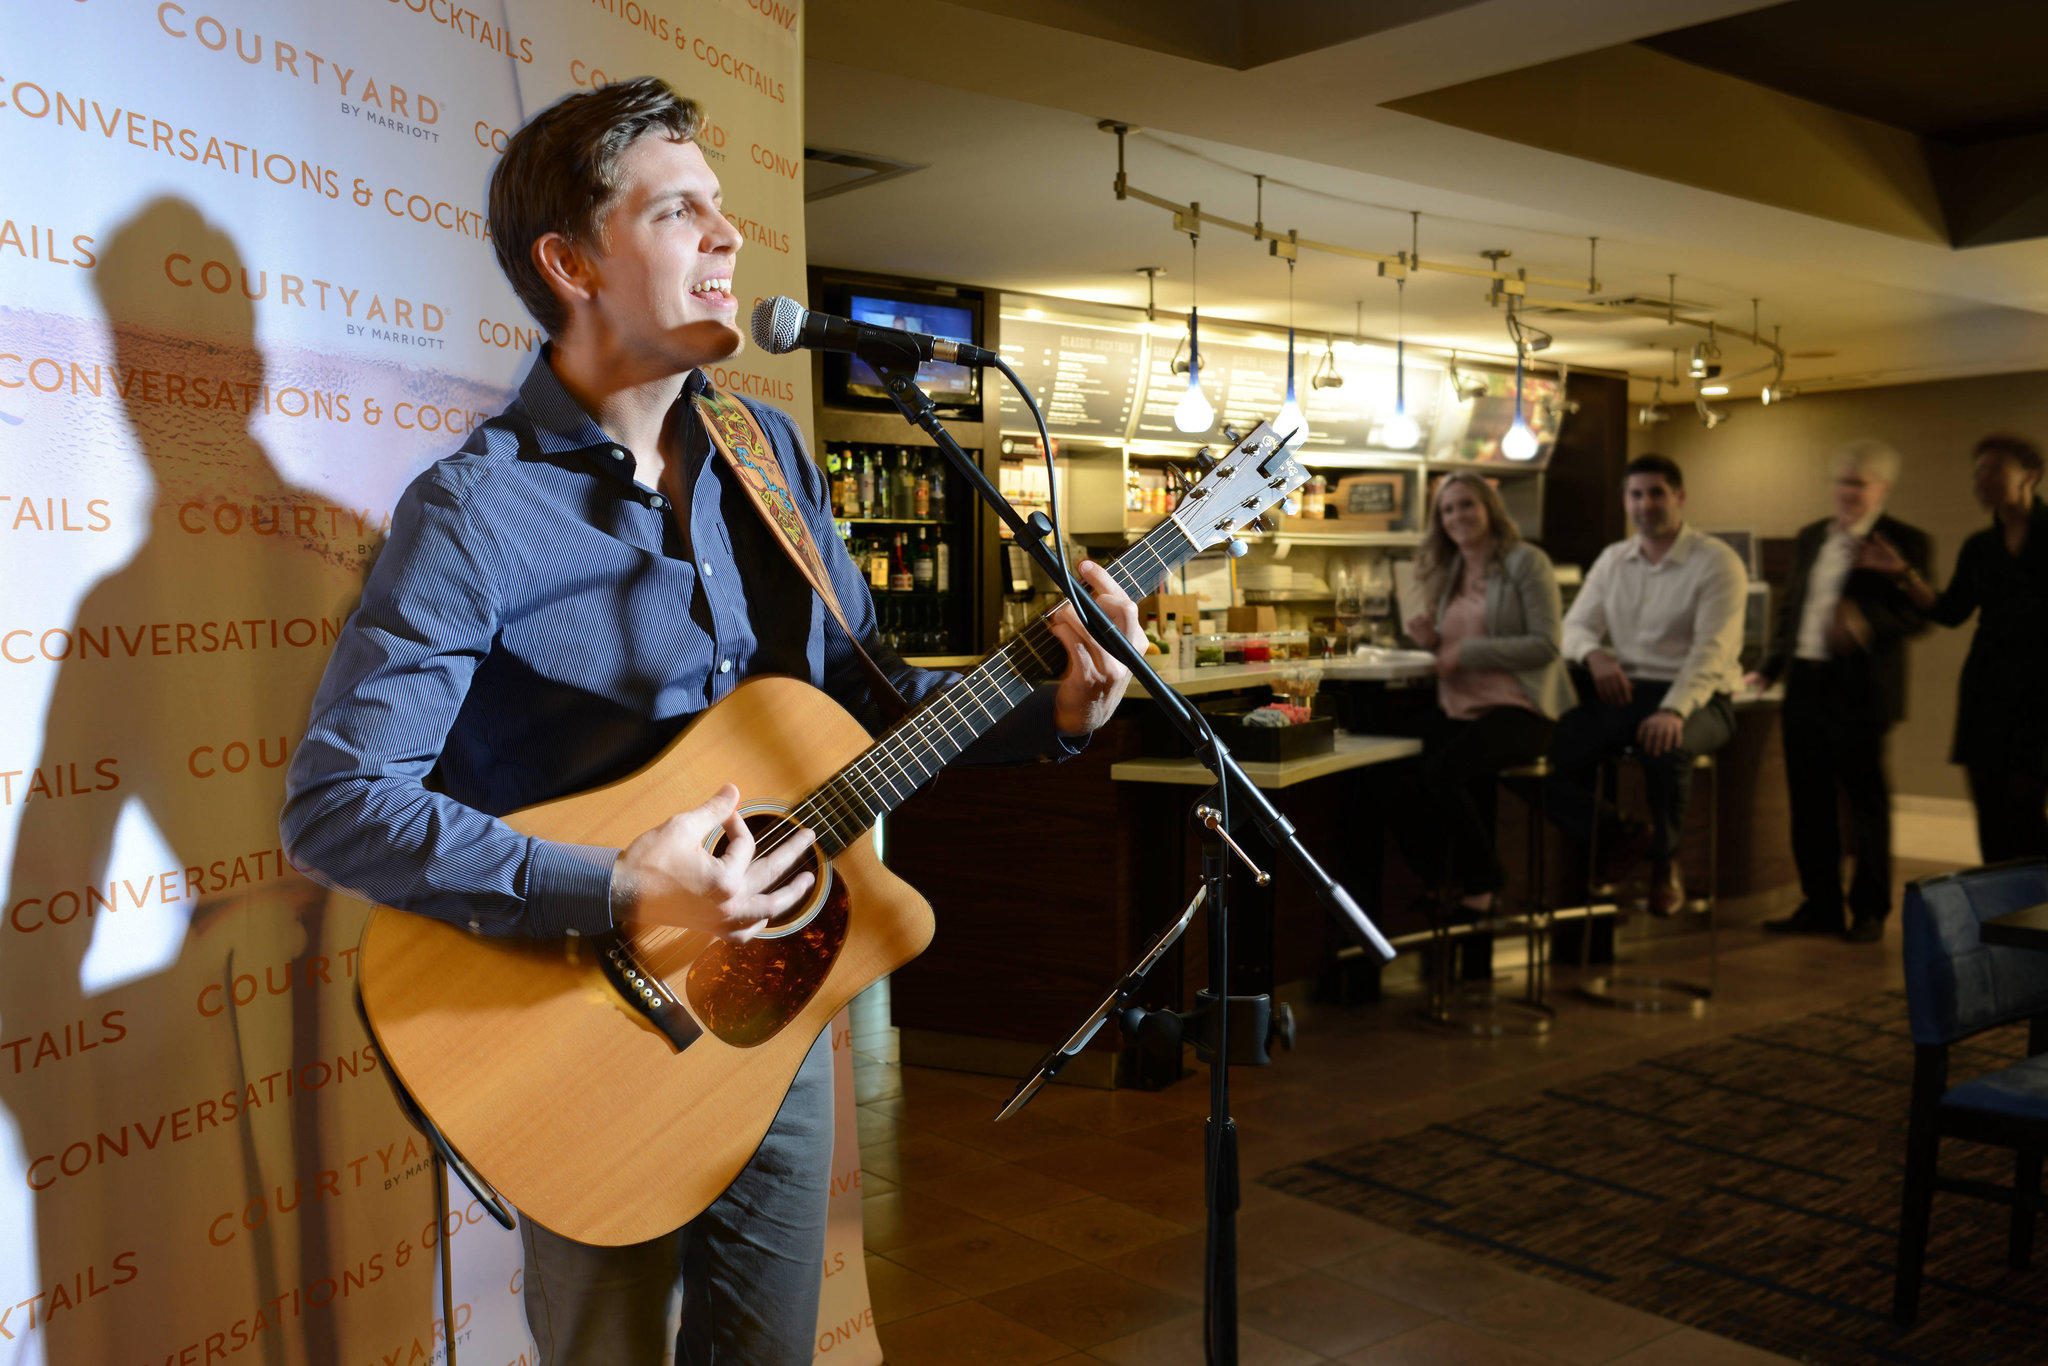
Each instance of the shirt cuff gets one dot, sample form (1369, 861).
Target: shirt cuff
(569, 889)
(1044, 701)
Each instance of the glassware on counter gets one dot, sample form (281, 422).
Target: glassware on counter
(1298, 684)
(1209, 650)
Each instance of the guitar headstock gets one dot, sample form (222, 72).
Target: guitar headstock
(1259, 472)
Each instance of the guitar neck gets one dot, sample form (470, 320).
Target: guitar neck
(933, 735)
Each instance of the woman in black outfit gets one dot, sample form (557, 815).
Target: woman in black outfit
(2001, 724)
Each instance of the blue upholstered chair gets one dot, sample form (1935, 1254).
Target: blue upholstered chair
(1957, 986)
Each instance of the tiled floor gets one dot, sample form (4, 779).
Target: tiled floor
(1073, 1232)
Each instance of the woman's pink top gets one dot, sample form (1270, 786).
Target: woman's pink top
(1465, 694)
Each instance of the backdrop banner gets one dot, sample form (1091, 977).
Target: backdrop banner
(247, 293)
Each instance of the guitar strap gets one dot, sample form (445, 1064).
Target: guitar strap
(748, 453)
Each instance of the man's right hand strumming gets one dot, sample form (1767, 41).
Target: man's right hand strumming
(668, 877)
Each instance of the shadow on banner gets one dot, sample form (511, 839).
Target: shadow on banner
(216, 1162)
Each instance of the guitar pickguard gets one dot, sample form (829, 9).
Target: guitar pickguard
(745, 993)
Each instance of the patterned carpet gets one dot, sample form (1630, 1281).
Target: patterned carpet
(1748, 1187)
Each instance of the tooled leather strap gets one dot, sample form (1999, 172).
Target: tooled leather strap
(750, 456)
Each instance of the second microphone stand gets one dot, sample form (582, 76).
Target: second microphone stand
(896, 362)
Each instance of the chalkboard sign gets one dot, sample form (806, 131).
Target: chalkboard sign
(1084, 378)
(1362, 499)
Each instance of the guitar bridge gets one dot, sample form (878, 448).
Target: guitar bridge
(646, 992)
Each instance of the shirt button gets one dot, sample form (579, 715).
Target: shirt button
(706, 567)
(725, 666)
(618, 454)
(657, 502)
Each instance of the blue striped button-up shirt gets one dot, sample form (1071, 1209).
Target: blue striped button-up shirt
(540, 622)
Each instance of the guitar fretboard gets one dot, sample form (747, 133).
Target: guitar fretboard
(934, 734)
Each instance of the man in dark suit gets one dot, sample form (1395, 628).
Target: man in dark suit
(1840, 646)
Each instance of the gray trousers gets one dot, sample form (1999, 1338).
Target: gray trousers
(749, 1266)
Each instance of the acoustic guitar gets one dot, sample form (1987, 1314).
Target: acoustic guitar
(611, 1087)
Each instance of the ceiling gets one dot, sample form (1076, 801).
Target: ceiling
(1526, 125)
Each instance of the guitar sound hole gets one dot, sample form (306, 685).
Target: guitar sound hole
(769, 830)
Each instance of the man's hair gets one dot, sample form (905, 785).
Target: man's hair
(1872, 459)
(560, 173)
(2017, 449)
(1662, 466)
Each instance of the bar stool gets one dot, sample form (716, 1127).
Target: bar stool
(1648, 993)
(1473, 1007)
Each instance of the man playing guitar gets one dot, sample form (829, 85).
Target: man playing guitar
(557, 601)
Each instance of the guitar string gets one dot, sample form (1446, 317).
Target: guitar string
(927, 721)
(919, 727)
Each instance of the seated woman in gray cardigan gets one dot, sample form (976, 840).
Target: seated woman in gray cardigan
(1501, 684)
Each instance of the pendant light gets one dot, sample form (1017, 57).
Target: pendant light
(1291, 424)
(1400, 432)
(1520, 441)
(1194, 414)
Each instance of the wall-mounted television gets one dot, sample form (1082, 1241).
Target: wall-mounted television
(851, 383)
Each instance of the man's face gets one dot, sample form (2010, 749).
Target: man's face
(1999, 481)
(1857, 495)
(1654, 507)
(661, 270)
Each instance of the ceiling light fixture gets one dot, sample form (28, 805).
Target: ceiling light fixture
(1290, 423)
(1468, 388)
(1651, 413)
(1714, 390)
(1402, 432)
(1520, 442)
(1326, 376)
(1194, 414)
(1704, 354)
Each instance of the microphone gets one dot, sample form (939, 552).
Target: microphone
(782, 325)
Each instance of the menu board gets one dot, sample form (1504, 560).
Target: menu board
(1084, 379)
(1255, 383)
(1245, 384)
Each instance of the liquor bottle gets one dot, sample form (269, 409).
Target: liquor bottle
(942, 568)
(939, 488)
(866, 491)
(922, 566)
(900, 578)
(849, 485)
(921, 494)
(877, 564)
(906, 486)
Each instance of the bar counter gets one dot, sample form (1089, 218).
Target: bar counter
(1048, 880)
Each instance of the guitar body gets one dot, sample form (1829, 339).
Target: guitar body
(540, 1072)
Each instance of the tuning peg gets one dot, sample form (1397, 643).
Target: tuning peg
(1236, 438)
(1291, 505)
(1205, 460)
(1235, 548)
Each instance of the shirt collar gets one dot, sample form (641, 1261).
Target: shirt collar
(559, 422)
(1862, 529)
(1681, 548)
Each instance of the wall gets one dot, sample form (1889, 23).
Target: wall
(1768, 469)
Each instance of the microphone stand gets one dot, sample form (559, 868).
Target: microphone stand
(896, 360)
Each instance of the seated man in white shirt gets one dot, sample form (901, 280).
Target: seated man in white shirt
(1658, 630)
